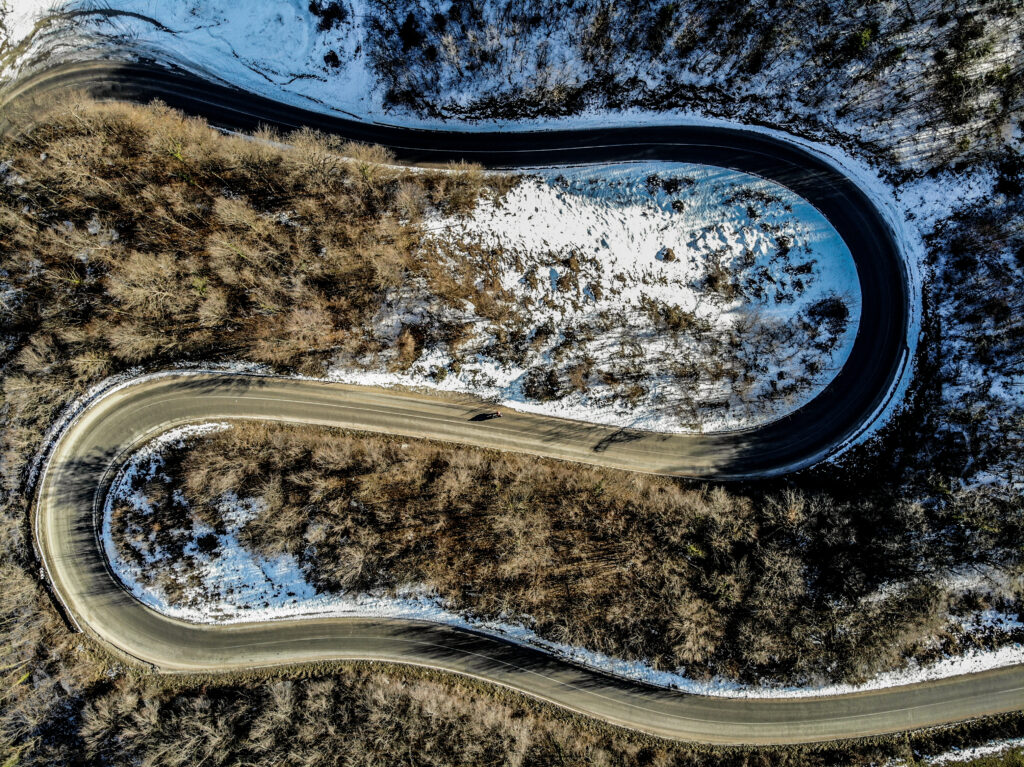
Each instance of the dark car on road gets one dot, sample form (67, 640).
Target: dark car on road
(486, 416)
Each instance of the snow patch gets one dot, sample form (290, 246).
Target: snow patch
(977, 752)
(214, 40)
(590, 253)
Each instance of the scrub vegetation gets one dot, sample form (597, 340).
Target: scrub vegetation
(93, 711)
(134, 237)
(660, 296)
(64, 701)
(978, 264)
(929, 82)
(757, 585)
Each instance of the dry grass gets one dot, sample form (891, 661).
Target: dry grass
(927, 82)
(378, 715)
(236, 249)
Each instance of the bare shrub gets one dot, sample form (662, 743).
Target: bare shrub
(639, 567)
(140, 236)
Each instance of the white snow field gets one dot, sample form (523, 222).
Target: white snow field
(590, 257)
(227, 39)
(228, 584)
(266, 46)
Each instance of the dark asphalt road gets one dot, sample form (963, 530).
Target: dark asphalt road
(79, 470)
(85, 460)
(840, 412)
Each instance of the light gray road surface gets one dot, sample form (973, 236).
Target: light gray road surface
(85, 459)
(81, 467)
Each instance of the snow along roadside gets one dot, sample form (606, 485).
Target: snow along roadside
(250, 588)
(977, 752)
(633, 242)
(224, 34)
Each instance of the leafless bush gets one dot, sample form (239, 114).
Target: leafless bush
(638, 567)
(140, 237)
(951, 76)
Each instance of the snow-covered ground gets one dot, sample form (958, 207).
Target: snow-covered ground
(333, 68)
(226, 40)
(589, 264)
(977, 752)
(217, 39)
(961, 755)
(225, 583)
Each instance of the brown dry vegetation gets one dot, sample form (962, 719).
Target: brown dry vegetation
(743, 585)
(929, 81)
(378, 715)
(65, 702)
(62, 702)
(671, 362)
(134, 236)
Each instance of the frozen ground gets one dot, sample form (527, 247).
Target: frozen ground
(227, 40)
(331, 64)
(960, 755)
(215, 38)
(225, 583)
(664, 296)
(967, 754)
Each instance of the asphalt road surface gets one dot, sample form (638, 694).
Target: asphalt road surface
(84, 460)
(839, 413)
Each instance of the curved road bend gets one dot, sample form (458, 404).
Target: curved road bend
(844, 408)
(82, 465)
(86, 458)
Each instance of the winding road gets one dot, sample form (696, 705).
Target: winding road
(84, 459)
(848, 404)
